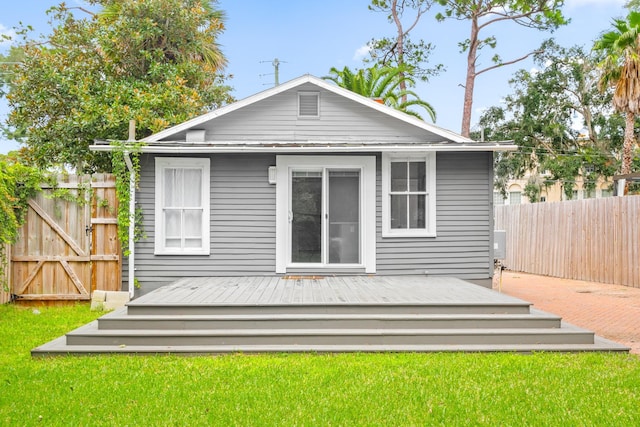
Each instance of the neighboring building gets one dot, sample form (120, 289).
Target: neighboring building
(551, 193)
(308, 178)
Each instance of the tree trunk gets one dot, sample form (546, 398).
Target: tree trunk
(629, 140)
(399, 46)
(470, 80)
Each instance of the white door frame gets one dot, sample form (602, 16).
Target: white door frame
(285, 165)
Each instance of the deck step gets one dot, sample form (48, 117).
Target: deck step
(372, 314)
(91, 335)
(60, 347)
(121, 320)
(514, 307)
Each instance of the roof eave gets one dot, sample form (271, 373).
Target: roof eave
(311, 148)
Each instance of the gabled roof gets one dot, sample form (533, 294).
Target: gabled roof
(195, 122)
(434, 138)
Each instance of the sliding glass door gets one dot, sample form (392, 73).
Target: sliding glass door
(325, 216)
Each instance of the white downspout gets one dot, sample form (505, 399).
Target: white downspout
(132, 212)
(132, 223)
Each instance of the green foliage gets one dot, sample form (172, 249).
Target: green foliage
(532, 191)
(156, 62)
(123, 193)
(400, 50)
(540, 117)
(385, 84)
(484, 15)
(18, 184)
(8, 64)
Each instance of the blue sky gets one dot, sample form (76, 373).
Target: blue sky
(313, 36)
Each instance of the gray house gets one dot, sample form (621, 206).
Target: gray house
(308, 178)
(336, 214)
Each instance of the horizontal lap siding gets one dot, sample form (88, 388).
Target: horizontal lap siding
(462, 245)
(242, 224)
(276, 119)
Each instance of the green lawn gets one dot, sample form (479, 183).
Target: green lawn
(351, 389)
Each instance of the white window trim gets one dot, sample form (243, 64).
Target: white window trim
(430, 225)
(284, 166)
(181, 162)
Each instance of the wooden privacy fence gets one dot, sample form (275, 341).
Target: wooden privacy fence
(594, 240)
(68, 247)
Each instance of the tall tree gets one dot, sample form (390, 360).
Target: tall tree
(483, 14)
(559, 120)
(156, 62)
(384, 84)
(399, 50)
(621, 70)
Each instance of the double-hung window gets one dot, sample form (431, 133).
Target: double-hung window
(408, 195)
(182, 206)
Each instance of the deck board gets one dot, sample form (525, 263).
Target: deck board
(323, 290)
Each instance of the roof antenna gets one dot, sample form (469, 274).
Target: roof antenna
(276, 67)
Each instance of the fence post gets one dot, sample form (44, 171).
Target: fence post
(5, 288)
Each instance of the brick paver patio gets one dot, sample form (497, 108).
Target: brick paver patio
(611, 311)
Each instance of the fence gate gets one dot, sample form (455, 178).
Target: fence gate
(68, 246)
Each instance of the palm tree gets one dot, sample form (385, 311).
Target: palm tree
(621, 70)
(385, 84)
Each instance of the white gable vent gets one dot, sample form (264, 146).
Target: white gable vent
(309, 104)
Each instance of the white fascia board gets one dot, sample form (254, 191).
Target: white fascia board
(202, 149)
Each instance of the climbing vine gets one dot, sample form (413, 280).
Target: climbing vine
(18, 184)
(122, 174)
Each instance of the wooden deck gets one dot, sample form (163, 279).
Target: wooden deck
(217, 315)
(349, 290)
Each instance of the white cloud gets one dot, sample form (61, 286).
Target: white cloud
(6, 32)
(361, 52)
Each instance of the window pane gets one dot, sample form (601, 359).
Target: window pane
(172, 187)
(173, 243)
(173, 226)
(515, 198)
(306, 224)
(192, 187)
(192, 223)
(344, 216)
(418, 211)
(193, 243)
(398, 176)
(398, 211)
(417, 180)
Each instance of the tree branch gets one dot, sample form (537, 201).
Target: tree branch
(502, 64)
(87, 11)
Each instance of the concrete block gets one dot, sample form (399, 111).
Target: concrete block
(116, 300)
(99, 296)
(97, 300)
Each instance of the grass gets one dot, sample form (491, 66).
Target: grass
(349, 389)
